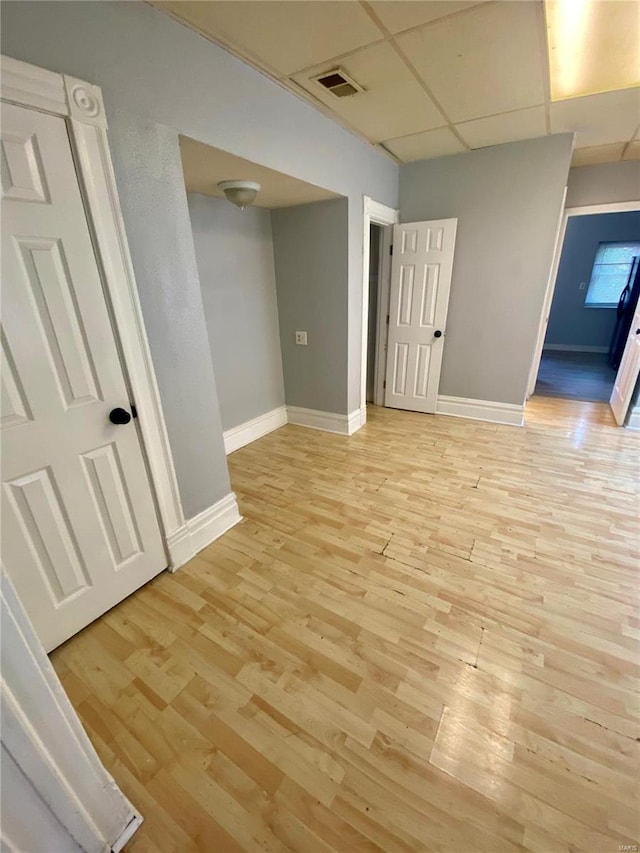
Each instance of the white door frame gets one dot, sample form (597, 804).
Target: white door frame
(376, 214)
(609, 207)
(43, 737)
(81, 105)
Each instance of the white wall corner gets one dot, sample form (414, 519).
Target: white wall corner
(200, 531)
(356, 419)
(315, 419)
(511, 414)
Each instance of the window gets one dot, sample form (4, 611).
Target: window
(610, 273)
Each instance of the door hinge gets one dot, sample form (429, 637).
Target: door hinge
(391, 249)
(384, 385)
(387, 319)
(134, 411)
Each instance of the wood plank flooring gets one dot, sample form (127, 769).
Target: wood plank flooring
(575, 375)
(423, 637)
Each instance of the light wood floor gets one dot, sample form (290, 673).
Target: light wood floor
(424, 637)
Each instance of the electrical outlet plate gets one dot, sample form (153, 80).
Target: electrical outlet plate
(301, 339)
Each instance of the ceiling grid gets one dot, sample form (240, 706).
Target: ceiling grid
(443, 76)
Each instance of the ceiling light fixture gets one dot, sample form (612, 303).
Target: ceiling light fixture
(593, 46)
(240, 193)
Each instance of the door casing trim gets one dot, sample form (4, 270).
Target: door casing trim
(378, 214)
(80, 104)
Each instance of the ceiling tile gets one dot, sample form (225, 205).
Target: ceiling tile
(598, 119)
(632, 152)
(422, 146)
(593, 46)
(205, 166)
(508, 127)
(279, 35)
(484, 62)
(393, 103)
(597, 154)
(398, 15)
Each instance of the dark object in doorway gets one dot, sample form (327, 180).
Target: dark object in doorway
(624, 314)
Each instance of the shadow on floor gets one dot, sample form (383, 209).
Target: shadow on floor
(575, 376)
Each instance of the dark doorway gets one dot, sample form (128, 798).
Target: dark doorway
(594, 285)
(375, 246)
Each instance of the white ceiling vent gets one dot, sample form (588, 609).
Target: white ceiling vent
(338, 83)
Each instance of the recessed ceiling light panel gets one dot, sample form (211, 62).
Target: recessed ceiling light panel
(593, 46)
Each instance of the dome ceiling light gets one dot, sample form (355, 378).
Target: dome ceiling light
(240, 193)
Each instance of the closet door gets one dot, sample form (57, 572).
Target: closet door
(79, 525)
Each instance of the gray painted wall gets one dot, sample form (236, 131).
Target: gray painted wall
(154, 205)
(159, 78)
(234, 251)
(605, 183)
(507, 200)
(311, 246)
(570, 323)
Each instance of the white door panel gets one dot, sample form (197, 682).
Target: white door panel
(79, 525)
(420, 282)
(627, 376)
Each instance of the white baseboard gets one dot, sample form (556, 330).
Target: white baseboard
(245, 433)
(572, 348)
(356, 420)
(315, 419)
(200, 531)
(249, 431)
(481, 410)
(179, 547)
(327, 421)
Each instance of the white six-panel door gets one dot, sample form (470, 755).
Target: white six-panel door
(627, 376)
(421, 270)
(79, 525)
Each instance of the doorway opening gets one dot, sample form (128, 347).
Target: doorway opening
(596, 291)
(378, 222)
(411, 302)
(590, 304)
(376, 234)
(249, 262)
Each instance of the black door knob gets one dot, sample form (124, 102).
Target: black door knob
(437, 333)
(637, 331)
(119, 416)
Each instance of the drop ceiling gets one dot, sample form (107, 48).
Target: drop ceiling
(447, 76)
(205, 166)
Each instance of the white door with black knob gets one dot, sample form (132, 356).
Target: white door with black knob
(79, 525)
(421, 269)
